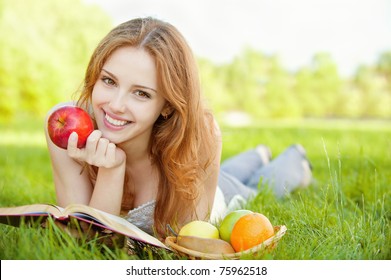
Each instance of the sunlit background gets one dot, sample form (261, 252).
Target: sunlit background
(353, 32)
(275, 72)
(258, 59)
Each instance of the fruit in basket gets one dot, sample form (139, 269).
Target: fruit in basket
(229, 221)
(67, 119)
(199, 229)
(250, 230)
(205, 245)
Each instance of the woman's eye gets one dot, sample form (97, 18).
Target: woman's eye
(108, 81)
(142, 94)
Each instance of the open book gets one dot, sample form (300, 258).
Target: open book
(98, 219)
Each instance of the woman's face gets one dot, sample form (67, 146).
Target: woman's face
(125, 100)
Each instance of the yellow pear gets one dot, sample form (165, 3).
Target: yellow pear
(199, 229)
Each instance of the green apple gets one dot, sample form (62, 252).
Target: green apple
(200, 229)
(229, 221)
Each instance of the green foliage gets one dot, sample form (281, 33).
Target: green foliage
(44, 50)
(260, 86)
(344, 214)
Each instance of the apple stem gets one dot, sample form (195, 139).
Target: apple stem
(61, 121)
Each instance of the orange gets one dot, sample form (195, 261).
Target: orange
(250, 230)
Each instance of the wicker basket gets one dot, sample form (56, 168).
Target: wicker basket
(264, 247)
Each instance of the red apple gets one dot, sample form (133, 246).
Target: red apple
(67, 119)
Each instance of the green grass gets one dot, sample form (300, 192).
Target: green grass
(344, 214)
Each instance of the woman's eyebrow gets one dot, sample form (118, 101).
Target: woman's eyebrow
(113, 76)
(109, 73)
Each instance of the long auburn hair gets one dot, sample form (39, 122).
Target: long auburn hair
(182, 146)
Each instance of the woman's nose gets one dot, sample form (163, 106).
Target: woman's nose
(117, 103)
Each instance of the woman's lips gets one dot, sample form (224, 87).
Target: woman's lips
(112, 121)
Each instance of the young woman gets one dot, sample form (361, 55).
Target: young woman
(155, 154)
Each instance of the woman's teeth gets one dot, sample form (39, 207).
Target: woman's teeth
(115, 122)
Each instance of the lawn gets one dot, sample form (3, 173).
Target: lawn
(344, 214)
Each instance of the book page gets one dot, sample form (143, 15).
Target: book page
(12, 215)
(31, 210)
(113, 223)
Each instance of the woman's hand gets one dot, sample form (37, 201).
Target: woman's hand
(98, 151)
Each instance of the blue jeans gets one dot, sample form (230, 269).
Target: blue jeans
(244, 173)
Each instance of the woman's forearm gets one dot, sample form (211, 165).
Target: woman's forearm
(108, 190)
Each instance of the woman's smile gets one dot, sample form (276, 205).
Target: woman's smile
(114, 122)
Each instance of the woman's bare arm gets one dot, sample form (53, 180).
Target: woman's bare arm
(74, 186)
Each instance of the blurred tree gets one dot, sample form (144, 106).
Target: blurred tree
(258, 85)
(280, 100)
(326, 84)
(237, 86)
(384, 64)
(243, 81)
(44, 49)
(213, 84)
(374, 94)
(383, 68)
(303, 87)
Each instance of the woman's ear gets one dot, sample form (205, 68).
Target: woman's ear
(167, 110)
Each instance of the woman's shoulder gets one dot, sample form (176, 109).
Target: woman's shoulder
(212, 125)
